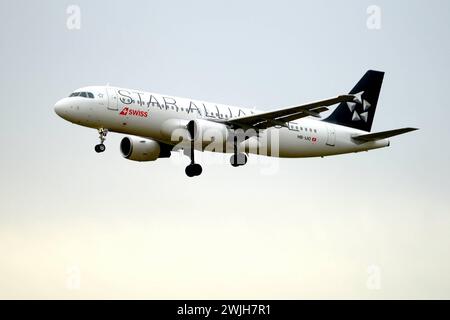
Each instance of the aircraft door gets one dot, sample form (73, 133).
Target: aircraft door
(112, 99)
(331, 137)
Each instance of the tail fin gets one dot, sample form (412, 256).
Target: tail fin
(359, 114)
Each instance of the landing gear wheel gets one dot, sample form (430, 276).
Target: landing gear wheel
(100, 148)
(239, 159)
(194, 169)
(197, 169)
(102, 136)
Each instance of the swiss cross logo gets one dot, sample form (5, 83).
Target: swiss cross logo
(314, 140)
(124, 111)
(133, 112)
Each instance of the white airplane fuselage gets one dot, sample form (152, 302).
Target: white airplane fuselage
(153, 116)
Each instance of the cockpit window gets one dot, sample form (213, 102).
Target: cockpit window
(82, 94)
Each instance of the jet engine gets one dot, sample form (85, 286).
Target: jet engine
(208, 131)
(142, 149)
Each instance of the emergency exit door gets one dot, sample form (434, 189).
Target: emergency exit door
(331, 137)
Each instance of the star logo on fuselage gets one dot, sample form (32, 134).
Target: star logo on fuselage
(359, 100)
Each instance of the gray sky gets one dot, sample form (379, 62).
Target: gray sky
(76, 224)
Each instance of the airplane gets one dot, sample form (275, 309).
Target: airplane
(158, 124)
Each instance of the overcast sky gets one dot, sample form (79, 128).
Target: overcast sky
(76, 224)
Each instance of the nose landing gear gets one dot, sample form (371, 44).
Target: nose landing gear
(100, 148)
(102, 136)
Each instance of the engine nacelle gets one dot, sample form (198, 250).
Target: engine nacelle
(208, 131)
(175, 130)
(140, 149)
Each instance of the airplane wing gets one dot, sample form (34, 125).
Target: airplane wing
(382, 135)
(281, 116)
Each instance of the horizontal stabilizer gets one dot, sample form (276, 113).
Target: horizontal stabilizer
(382, 135)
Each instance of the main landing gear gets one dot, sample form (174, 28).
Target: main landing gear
(193, 169)
(102, 135)
(237, 159)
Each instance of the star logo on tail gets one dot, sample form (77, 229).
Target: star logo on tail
(359, 100)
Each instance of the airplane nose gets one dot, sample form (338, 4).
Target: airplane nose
(59, 108)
